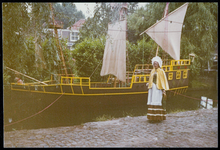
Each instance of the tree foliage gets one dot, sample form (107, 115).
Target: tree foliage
(15, 22)
(88, 57)
(22, 30)
(67, 13)
(97, 26)
(199, 34)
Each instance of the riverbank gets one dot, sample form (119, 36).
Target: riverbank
(197, 128)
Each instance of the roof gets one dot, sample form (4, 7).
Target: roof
(77, 25)
(58, 24)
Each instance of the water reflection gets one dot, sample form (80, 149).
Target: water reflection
(69, 111)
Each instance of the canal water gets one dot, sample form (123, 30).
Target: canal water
(85, 109)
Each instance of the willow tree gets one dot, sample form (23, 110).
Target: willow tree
(15, 22)
(24, 33)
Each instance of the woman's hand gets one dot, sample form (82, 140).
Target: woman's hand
(147, 84)
(164, 92)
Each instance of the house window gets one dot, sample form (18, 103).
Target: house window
(69, 44)
(74, 36)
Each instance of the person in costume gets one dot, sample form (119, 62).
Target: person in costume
(17, 78)
(157, 86)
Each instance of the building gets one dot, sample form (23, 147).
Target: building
(71, 34)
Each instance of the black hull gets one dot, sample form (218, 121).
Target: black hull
(69, 109)
(80, 102)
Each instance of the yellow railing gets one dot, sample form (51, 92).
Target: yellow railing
(140, 78)
(146, 68)
(180, 62)
(75, 81)
(142, 69)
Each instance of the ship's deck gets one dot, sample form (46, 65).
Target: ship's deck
(176, 72)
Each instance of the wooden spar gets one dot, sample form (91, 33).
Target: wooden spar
(26, 76)
(115, 81)
(157, 50)
(127, 58)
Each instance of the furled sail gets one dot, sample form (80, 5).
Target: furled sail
(114, 58)
(167, 32)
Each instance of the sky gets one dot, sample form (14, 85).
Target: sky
(88, 8)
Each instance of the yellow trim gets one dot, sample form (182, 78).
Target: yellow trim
(44, 89)
(180, 62)
(134, 77)
(85, 94)
(178, 74)
(112, 88)
(72, 89)
(170, 76)
(177, 70)
(100, 93)
(185, 74)
(81, 86)
(180, 91)
(175, 93)
(22, 90)
(71, 85)
(61, 88)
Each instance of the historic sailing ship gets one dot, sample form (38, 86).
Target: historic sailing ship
(166, 33)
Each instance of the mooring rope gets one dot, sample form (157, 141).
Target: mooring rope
(190, 96)
(34, 114)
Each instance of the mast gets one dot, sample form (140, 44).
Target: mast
(123, 16)
(164, 15)
(124, 11)
(57, 40)
(127, 58)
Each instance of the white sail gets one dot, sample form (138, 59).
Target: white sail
(114, 59)
(167, 32)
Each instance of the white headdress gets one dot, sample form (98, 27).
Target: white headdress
(157, 59)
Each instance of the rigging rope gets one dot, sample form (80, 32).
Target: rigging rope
(96, 68)
(35, 113)
(86, 60)
(143, 49)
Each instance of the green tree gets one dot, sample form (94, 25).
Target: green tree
(201, 21)
(15, 21)
(22, 30)
(88, 58)
(67, 13)
(97, 26)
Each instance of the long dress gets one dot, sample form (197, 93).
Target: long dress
(155, 109)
